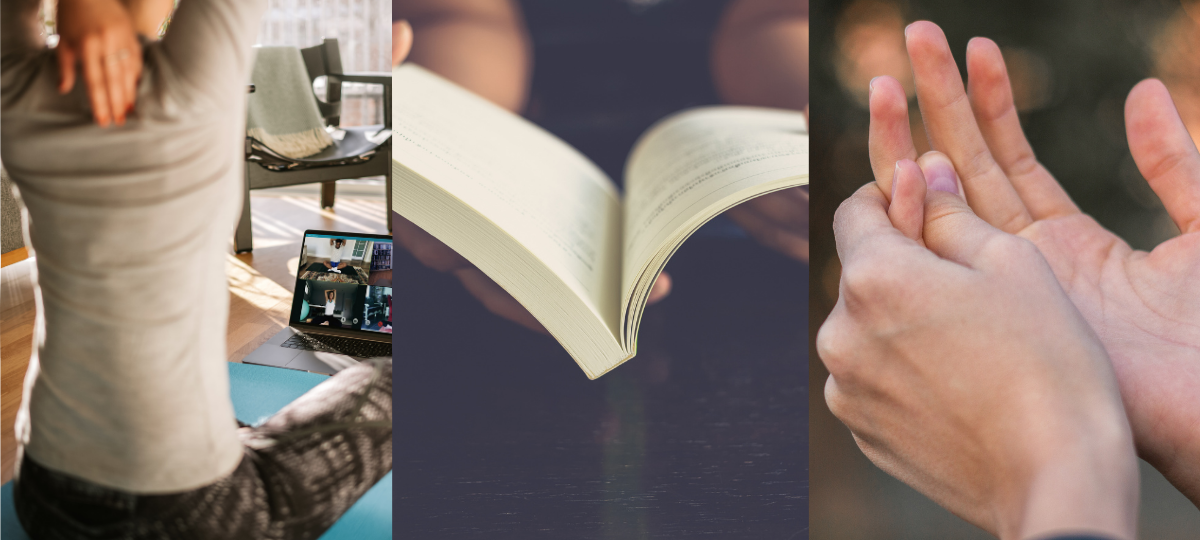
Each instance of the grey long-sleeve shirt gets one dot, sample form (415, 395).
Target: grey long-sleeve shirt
(130, 226)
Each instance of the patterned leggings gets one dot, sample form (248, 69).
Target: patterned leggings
(302, 469)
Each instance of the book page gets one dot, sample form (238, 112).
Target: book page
(531, 185)
(688, 163)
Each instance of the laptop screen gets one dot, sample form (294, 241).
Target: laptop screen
(344, 281)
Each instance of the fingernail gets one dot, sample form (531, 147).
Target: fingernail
(895, 179)
(907, 27)
(940, 176)
(871, 87)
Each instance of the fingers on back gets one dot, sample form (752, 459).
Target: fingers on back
(66, 67)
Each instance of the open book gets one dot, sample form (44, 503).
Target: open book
(550, 228)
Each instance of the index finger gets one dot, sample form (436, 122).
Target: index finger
(955, 233)
(114, 77)
(93, 73)
(890, 135)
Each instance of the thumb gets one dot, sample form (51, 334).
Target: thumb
(660, 290)
(402, 38)
(1164, 152)
(66, 67)
(951, 228)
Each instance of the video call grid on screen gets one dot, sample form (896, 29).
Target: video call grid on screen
(344, 281)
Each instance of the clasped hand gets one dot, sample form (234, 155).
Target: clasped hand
(100, 35)
(985, 316)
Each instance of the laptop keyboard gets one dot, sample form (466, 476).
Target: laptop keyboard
(340, 345)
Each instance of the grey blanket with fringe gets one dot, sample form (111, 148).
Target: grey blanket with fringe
(282, 112)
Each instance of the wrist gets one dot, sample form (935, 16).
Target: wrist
(1073, 536)
(1087, 487)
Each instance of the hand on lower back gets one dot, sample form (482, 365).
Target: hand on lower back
(100, 36)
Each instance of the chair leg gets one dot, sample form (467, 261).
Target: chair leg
(328, 190)
(243, 239)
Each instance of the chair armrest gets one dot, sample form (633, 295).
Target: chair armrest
(372, 77)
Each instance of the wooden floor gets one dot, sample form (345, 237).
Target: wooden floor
(260, 285)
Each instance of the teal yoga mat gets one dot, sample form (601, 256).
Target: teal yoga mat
(259, 391)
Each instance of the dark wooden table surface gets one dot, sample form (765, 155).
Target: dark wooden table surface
(703, 434)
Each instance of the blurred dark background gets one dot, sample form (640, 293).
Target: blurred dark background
(1072, 63)
(500, 435)
(606, 70)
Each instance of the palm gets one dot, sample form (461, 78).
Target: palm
(1138, 303)
(1131, 297)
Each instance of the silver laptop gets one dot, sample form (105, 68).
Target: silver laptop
(341, 307)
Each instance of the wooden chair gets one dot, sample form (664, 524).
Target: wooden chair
(362, 151)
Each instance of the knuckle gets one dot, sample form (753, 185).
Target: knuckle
(836, 345)
(1014, 220)
(865, 282)
(849, 209)
(841, 214)
(838, 402)
(858, 281)
(995, 104)
(1025, 164)
(830, 345)
(940, 216)
(1008, 247)
(978, 163)
(114, 33)
(948, 100)
(1165, 164)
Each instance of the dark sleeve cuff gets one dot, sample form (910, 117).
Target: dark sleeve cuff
(1077, 537)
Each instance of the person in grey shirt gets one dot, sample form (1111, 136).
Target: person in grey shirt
(132, 185)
